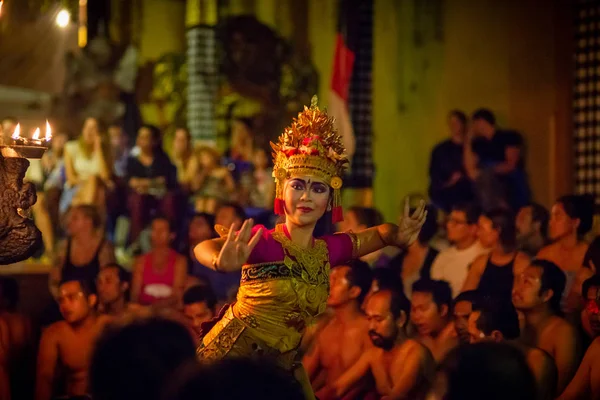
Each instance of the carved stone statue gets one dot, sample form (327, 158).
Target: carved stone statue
(19, 237)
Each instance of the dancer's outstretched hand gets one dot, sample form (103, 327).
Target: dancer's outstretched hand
(237, 248)
(410, 225)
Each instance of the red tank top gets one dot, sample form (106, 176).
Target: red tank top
(157, 285)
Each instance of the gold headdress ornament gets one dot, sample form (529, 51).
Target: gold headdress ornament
(310, 146)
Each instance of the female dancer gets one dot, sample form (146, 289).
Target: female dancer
(285, 271)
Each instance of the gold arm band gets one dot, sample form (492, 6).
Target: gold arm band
(355, 244)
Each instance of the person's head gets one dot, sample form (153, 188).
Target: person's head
(83, 219)
(136, 360)
(384, 279)
(532, 219)
(112, 284)
(58, 143)
(208, 157)
(483, 122)
(149, 139)
(464, 304)
(182, 142)
(430, 306)
(388, 312)
(161, 232)
(90, 131)
(430, 226)
(349, 283)
(541, 284)
(230, 213)
(495, 320)
(9, 293)
(199, 304)
(487, 370)
(358, 218)
(462, 223)
(497, 228)
(591, 295)
(254, 379)
(457, 122)
(241, 132)
(307, 198)
(118, 139)
(8, 125)
(76, 300)
(201, 228)
(571, 215)
(260, 158)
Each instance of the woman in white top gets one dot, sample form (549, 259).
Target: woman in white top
(86, 168)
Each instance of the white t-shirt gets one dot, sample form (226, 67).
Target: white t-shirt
(452, 265)
(84, 167)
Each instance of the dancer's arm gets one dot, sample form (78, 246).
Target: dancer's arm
(378, 237)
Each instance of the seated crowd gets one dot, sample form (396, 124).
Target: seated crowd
(492, 301)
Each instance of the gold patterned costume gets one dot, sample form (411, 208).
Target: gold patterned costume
(284, 287)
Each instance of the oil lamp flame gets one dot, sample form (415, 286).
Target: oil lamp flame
(36, 134)
(48, 131)
(17, 133)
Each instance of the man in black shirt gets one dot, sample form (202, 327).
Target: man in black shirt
(494, 160)
(449, 182)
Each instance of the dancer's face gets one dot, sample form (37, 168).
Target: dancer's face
(306, 199)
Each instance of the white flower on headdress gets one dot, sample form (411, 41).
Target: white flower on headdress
(331, 154)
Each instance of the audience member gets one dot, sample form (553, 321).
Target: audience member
(54, 169)
(415, 263)
(536, 294)
(253, 380)
(590, 316)
(85, 251)
(341, 341)
(464, 304)
(402, 367)
(452, 264)
(532, 228)
(152, 182)
(183, 158)
(497, 320)
(120, 150)
(449, 183)
(383, 278)
(490, 371)
(586, 382)
(213, 184)
(431, 313)
(159, 276)
(223, 283)
(493, 274)
(137, 360)
(87, 169)
(229, 214)
(494, 160)
(571, 218)
(112, 285)
(199, 303)
(69, 343)
(264, 187)
(359, 218)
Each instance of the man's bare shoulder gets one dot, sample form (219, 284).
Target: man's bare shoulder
(537, 356)
(56, 330)
(559, 326)
(414, 349)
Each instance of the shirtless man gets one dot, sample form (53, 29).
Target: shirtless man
(586, 383)
(536, 294)
(112, 285)
(464, 304)
(343, 338)
(430, 314)
(199, 304)
(69, 342)
(499, 322)
(402, 367)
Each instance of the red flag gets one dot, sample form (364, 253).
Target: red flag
(343, 65)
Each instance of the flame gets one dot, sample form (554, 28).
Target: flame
(48, 131)
(36, 134)
(1, 2)
(17, 133)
